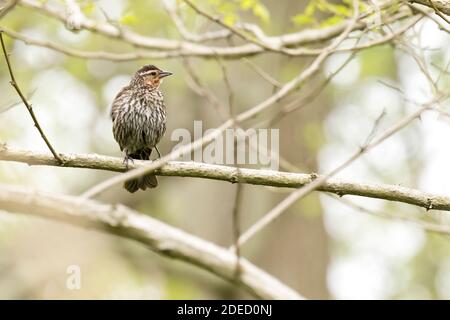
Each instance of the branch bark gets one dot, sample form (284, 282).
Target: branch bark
(156, 235)
(161, 48)
(226, 173)
(442, 5)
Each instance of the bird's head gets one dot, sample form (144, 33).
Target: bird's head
(151, 75)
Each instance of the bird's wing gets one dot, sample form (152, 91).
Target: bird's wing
(119, 101)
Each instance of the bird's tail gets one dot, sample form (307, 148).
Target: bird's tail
(144, 182)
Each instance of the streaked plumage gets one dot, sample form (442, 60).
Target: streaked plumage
(139, 120)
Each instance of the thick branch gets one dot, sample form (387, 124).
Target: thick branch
(225, 173)
(167, 48)
(441, 5)
(156, 235)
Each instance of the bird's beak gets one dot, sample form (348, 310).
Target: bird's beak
(165, 74)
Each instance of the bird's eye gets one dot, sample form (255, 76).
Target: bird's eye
(153, 73)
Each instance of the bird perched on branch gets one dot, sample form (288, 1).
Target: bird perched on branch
(139, 120)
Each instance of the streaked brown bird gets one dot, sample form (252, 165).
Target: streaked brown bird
(139, 120)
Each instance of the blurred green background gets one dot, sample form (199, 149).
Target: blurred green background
(320, 247)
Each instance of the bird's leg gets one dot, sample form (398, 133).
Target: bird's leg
(126, 159)
(159, 153)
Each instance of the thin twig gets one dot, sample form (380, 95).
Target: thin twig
(262, 73)
(304, 101)
(171, 9)
(25, 102)
(246, 115)
(138, 53)
(320, 180)
(238, 194)
(196, 85)
(234, 30)
(167, 48)
(428, 226)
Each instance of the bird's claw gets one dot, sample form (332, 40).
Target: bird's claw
(159, 153)
(126, 161)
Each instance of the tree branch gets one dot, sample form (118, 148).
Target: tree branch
(226, 173)
(156, 235)
(171, 8)
(284, 91)
(25, 102)
(7, 7)
(439, 5)
(169, 48)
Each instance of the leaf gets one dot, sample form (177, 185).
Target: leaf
(227, 8)
(307, 16)
(229, 19)
(88, 8)
(310, 8)
(302, 19)
(342, 10)
(128, 19)
(247, 4)
(331, 21)
(261, 12)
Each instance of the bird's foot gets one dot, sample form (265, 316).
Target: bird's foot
(126, 160)
(159, 153)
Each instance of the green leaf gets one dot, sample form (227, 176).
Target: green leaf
(229, 19)
(261, 12)
(331, 21)
(128, 19)
(247, 4)
(310, 8)
(88, 8)
(302, 19)
(307, 16)
(342, 10)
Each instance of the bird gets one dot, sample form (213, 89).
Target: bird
(138, 116)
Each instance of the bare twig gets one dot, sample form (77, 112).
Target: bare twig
(165, 48)
(320, 180)
(171, 9)
(280, 94)
(236, 225)
(25, 102)
(238, 194)
(262, 73)
(185, 50)
(304, 191)
(428, 226)
(12, 105)
(236, 31)
(304, 101)
(196, 85)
